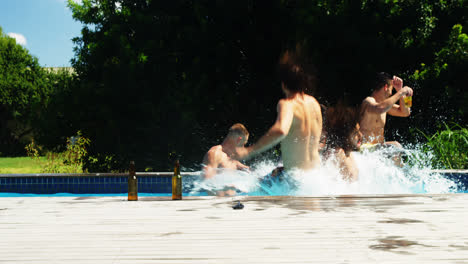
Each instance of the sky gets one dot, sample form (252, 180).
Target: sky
(44, 27)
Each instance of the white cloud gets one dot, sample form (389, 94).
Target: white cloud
(20, 39)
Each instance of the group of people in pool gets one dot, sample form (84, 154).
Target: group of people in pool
(304, 132)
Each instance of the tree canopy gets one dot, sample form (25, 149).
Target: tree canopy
(162, 79)
(23, 92)
(165, 78)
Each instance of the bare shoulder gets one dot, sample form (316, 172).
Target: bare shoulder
(283, 103)
(369, 100)
(311, 99)
(213, 154)
(313, 102)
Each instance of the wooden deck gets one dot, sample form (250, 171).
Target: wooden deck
(351, 229)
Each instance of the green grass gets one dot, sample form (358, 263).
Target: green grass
(20, 165)
(450, 147)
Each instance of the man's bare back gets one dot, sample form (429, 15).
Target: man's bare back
(300, 147)
(298, 127)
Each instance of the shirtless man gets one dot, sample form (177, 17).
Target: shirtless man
(298, 124)
(221, 156)
(374, 108)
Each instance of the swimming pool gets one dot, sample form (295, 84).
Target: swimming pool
(104, 184)
(157, 184)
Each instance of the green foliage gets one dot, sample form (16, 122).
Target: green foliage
(449, 146)
(107, 163)
(71, 160)
(55, 120)
(33, 150)
(23, 92)
(33, 100)
(76, 149)
(163, 79)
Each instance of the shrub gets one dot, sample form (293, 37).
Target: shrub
(449, 147)
(69, 161)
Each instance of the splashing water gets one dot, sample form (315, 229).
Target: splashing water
(377, 175)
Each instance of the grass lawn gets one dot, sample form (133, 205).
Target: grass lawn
(20, 165)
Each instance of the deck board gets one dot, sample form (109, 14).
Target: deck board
(347, 229)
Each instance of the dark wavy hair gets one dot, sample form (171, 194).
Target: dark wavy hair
(296, 73)
(381, 79)
(340, 122)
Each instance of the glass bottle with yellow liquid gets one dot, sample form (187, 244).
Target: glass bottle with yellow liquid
(132, 183)
(177, 183)
(408, 101)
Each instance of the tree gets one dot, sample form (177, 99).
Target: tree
(23, 91)
(166, 78)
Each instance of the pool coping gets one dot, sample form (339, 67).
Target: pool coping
(100, 174)
(114, 183)
(161, 174)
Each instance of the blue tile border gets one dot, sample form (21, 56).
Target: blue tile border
(81, 185)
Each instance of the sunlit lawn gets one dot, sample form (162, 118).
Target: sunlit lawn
(20, 165)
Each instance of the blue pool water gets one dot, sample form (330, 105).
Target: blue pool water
(377, 175)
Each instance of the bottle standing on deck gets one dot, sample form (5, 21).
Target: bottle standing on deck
(132, 183)
(177, 183)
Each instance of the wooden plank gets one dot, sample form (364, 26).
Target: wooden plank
(347, 229)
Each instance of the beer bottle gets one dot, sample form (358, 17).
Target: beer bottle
(408, 101)
(177, 183)
(132, 183)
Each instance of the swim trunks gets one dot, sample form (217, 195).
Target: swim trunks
(278, 180)
(370, 147)
(387, 149)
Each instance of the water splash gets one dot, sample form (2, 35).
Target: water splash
(377, 175)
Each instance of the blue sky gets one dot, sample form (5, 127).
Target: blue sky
(47, 27)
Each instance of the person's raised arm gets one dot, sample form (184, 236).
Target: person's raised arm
(387, 104)
(275, 134)
(210, 163)
(401, 109)
(241, 166)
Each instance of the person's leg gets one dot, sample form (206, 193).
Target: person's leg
(227, 191)
(393, 143)
(395, 153)
(274, 176)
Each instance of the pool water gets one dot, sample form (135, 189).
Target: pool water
(377, 175)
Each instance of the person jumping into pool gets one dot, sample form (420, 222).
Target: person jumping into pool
(299, 120)
(344, 137)
(222, 156)
(374, 109)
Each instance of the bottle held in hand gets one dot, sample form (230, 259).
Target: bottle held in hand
(408, 101)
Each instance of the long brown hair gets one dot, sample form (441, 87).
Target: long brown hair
(340, 122)
(297, 74)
